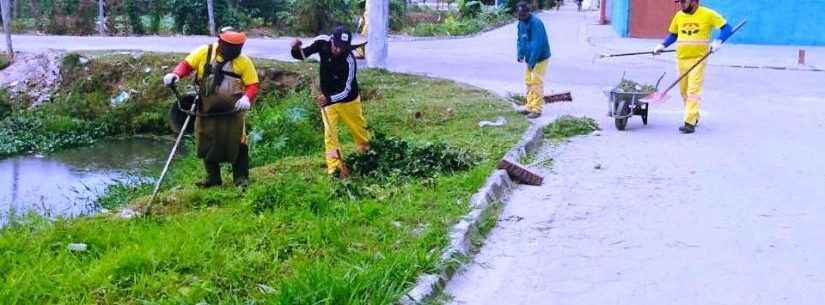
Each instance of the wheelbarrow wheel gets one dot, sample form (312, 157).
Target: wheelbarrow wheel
(621, 123)
(644, 114)
(622, 116)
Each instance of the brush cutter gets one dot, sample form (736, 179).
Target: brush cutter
(174, 149)
(659, 97)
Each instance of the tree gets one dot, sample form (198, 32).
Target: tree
(101, 18)
(6, 8)
(379, 17)
(211, 12)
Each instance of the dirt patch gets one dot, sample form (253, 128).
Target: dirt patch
(281, 80)
(33, 76)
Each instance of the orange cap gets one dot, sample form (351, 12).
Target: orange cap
(233, 37)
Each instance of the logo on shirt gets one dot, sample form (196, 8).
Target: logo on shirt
(690, 29)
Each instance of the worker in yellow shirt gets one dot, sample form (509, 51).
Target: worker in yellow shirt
(227, 87)
(691, 29)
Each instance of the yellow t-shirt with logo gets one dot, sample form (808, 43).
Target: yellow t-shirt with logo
(694, 30)
(242, 65)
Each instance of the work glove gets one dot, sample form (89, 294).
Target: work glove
(170, 79)
(658, 49)
(242, 104)
(715, 45)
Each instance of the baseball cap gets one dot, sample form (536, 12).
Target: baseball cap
(341, 37)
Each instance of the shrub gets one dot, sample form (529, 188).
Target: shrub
(4, 61)
(469, 9)
(321, 16)
(390, 156)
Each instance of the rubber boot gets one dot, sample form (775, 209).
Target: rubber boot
(240, 169)
(213, 175)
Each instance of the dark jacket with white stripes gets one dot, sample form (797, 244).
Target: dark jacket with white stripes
(338, 82)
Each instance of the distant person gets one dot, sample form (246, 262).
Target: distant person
(579, 5)
(534, 50)
(227, 82)
(339, 99)
(691, 29)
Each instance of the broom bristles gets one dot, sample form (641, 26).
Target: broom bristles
(520, 173)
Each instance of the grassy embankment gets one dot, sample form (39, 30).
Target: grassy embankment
(295, 236)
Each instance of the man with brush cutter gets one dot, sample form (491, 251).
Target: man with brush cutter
(339, 98)
(227, 86)
(691, 28)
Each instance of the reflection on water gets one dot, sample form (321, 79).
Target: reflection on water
(68, 183)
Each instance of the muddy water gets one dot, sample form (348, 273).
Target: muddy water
(68, 183)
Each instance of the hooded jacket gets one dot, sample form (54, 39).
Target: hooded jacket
(533, 44)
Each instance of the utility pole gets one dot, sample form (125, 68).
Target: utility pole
(210, 8)
(379, 19)
(101, 18)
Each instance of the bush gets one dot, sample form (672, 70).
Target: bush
(469, 9)
(4, 61)
(133, 12)
(320, 16)
(390, 156)
(5, 104)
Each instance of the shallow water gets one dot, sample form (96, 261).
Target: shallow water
(68, 183)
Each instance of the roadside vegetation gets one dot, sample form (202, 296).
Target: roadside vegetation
(258, 18)
(295, 236)
(4, 61)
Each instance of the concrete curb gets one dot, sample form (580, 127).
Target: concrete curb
(497, 187)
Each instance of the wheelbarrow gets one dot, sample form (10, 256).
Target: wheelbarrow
(624, 104)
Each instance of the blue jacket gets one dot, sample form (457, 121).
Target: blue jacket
(533, 44)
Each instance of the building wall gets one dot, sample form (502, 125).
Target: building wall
(797, 22)
(651, 18)
(620, 12)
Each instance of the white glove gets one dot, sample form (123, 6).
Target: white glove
(242, 104)
(715, 45)
(170, 79)
(658, 49)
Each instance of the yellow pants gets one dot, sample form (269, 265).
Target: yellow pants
(352, 115)
(534, 79)
(691, 88)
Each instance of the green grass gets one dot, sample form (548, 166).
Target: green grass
(4, 61)
(296, 236)
(569, 126)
